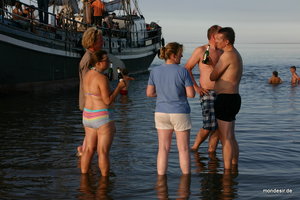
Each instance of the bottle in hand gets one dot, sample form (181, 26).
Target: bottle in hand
(110, 73)
(205, 56)
(120, 75)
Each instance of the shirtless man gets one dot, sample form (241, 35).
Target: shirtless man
(275, 79)
(295, 78)
(205, 89)
(227, 73)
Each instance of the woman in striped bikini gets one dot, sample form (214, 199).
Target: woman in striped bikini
(97, 116)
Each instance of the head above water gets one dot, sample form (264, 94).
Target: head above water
(293, 67)
(275, 73)
(169, 49)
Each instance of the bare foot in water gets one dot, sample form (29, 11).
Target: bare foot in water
(79, 151)
(194, 149)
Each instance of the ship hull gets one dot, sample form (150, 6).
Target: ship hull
(43, 58)
(34, 69)
(24, 69)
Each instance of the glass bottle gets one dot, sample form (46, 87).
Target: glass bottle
(120, 75)
(205, 55)
(110, 73)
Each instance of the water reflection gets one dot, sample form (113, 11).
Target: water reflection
(90, 189)
(183, 191)
(214, 184)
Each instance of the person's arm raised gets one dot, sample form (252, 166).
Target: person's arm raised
(108, 98)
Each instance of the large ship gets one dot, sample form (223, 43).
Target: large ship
(36, 55)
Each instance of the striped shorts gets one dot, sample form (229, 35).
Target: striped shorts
(96, 118)
(208, 111)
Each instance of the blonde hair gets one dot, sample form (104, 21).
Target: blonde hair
(169, 49)
(90, 36)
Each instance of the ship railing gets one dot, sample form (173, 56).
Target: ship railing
(66, 31)
(122, 38)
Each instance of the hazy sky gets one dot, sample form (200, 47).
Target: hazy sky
(254, 21)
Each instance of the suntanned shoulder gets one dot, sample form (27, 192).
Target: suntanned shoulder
(195, 57)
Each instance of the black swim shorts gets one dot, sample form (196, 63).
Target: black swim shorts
(227, 106)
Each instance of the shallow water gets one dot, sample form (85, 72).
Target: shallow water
(40, 133)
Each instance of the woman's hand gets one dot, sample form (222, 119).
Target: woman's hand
(121, 84)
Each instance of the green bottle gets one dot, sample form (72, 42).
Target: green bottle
(110, 73)
(205, 56)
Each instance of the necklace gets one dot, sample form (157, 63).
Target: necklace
(97, 70)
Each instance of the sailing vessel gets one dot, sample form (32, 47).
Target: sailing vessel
(36, 55)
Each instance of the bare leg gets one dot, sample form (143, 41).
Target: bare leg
(236, 152)
(105, 138)
(89, 150)
(200, 138)
(226, 131)
(213, 141)
(164, 145)
(183, 143)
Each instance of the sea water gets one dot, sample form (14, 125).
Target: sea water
(39, 135)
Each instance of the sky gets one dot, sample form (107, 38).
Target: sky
(254, 21)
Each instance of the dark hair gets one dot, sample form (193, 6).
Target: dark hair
(293, 67)
(275, 73)
(228, 34)
(169, 49)
(97, 56)
(213, 30)
(124, 71)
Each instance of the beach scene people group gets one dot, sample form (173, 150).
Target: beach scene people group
(171, 84)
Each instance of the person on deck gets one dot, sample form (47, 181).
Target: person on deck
(99, 9)
(17, 11)
(43, 11)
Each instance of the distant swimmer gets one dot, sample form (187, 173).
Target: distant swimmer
(295, 78)
(275, 79)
